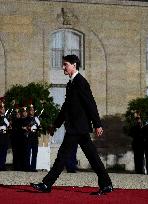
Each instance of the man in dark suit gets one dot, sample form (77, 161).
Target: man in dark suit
(78, 112)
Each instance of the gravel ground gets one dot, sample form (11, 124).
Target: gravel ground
(127, 181)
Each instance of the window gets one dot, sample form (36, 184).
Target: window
(66, 42)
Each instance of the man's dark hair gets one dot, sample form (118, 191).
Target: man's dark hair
(72, 59)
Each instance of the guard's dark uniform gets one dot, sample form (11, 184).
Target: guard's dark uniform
(139, 133)
(31, 142)
(145, 139)
(24, 135)
(17, 143)
(4, 140)
(138, 147)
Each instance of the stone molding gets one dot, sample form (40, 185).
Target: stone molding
(105, 2)
(108, 2)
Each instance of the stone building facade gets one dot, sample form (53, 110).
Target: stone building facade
(110, 37)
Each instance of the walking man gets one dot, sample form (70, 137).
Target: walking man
(78, 112)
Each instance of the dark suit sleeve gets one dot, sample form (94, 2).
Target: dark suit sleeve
(61, 117)
(89, 103)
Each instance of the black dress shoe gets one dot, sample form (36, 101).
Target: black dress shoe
(3, 169)
(103, 191)
(33, 170)
(71, 171)
(41, 187)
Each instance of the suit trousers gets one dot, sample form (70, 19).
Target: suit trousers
(90, 152)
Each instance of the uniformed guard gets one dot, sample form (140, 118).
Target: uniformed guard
(17, 141)
(4, 140)
(33, 124)
(24, 135)
(145, 139)
(138, 145)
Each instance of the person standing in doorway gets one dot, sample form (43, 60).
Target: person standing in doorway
(78, 112)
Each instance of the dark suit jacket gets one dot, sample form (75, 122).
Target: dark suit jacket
(79, 111)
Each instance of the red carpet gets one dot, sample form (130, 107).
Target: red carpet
(69, 195)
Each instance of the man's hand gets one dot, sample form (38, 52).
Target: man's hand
(51, 130)
(98, 131)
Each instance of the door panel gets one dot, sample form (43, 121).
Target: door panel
(58, 95)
